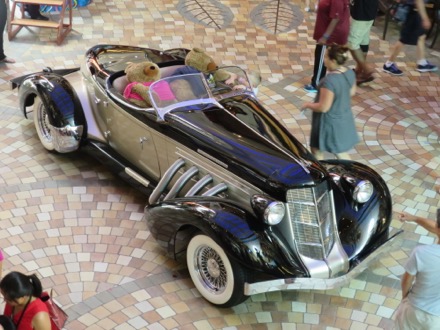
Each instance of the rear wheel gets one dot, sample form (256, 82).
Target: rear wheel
(219, 280)
(42, 125)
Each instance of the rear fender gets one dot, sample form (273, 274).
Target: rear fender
(254, 246)
(63, 107)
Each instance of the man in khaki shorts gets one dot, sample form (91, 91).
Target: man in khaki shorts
(363, 13)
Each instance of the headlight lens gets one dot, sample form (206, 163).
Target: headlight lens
(363, 191)
(274, 213)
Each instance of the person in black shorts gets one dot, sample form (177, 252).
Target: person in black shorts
(413, 33)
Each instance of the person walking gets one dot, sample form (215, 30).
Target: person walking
(3, 20)
(23, 305)
(333, 127)
(413, 32)
(331, 27)
(420, 305)
(363, 13)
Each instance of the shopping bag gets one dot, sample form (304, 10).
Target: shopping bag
(58, 317)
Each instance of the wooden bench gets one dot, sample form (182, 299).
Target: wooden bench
(16, 24)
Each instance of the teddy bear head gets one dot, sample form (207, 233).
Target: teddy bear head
(142, 72)
(197, 58)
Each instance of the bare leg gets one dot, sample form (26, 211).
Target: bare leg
(307, 8)
(361, 63)
(396, 51)
(358, 56)
(420, 52)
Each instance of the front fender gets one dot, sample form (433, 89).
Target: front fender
(362, 227)
(250, 243)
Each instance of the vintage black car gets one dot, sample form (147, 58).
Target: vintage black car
(229, 186)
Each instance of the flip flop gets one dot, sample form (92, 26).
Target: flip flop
(7, 60)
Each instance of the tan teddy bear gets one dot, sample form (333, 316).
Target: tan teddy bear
(200, 60)
(140, 77)
(197, 60)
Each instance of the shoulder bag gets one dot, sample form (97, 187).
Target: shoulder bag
(58, 317)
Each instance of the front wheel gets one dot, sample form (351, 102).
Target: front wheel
(219, 279)
(42, 125)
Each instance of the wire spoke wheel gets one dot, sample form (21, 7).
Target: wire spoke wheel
(212, 269)
(42, 124)
(219, 279)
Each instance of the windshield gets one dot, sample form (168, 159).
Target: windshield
(183, 92)
(195, 90)
(230, 79)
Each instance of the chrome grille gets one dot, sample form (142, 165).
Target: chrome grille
(311, 216)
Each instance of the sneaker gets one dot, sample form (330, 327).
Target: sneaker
(427, 68)
(310, 89)
(393, 69)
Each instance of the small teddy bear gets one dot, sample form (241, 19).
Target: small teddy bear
(197, 60)
(140, 77)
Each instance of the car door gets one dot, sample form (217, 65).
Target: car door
(132, 138)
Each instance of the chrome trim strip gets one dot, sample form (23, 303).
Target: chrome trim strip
(216, 190)
(203, 182)
(180, 183)
(303, 283)
(136, 176)
(217, 173)
(338, 258)
(163, 183)
(212, 158)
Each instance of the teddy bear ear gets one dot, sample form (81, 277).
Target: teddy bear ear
(198, 50)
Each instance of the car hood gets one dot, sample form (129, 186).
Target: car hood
(251, 144)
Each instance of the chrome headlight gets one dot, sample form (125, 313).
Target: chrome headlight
(268, 210)
(363, 191)
(274, 213)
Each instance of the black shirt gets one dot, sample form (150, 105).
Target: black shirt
(364, 10)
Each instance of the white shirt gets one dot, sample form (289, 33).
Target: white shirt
(424, 263)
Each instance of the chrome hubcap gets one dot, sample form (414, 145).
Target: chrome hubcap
(43, 121)
(212, 271)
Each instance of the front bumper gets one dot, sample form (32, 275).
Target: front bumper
(307, 283)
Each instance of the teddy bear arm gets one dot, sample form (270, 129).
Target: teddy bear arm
(223, 75)
(143, 92)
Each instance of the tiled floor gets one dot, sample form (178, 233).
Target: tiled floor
(67, 218)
